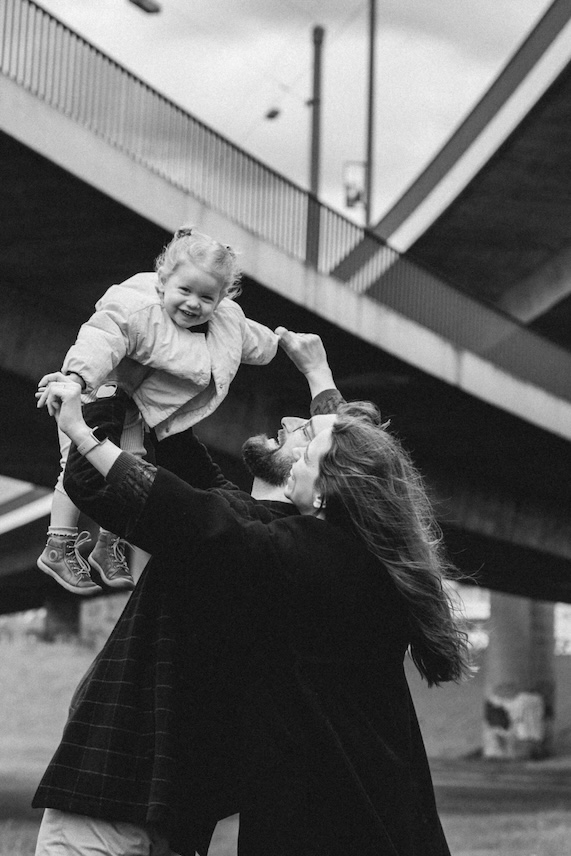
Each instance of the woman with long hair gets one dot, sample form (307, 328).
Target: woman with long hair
(371, 488)
(297, 712)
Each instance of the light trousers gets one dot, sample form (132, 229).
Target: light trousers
(65, 834)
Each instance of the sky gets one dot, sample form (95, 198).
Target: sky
(230, 62)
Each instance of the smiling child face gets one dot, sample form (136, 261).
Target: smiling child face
(190, 295)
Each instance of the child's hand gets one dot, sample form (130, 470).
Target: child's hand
(43, 386)
(305, 350)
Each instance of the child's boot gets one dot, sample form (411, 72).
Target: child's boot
(108, 559)
(62, 560)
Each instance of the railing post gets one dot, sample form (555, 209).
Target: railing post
(312, 236)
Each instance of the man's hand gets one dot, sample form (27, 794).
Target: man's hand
(307, 352)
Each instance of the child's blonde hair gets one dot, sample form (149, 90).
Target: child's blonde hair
(213, 257)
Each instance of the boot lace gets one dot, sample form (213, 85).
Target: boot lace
(75, 560)
(119, 562)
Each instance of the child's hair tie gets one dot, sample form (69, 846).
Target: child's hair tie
(183, 233)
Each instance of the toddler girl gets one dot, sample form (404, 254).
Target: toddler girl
(174, 340)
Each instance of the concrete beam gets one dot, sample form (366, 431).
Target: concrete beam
(541, 291)
(521, 521)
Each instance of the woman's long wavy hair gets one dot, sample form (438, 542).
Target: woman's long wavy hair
(370, 486)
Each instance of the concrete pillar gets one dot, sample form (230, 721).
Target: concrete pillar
(520, 682)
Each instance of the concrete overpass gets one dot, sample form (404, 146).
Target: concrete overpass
(98, 169)
(499, 192)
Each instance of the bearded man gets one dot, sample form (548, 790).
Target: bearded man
(150, 758)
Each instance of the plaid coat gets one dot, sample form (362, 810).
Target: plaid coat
(131, 731)
(263, 673)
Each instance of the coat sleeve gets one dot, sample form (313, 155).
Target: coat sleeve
(326, 402)
(118, 502)
(259, 343)
(184, 455)
(177, 517)
(151, 507)
(101, 344)
(125, 324)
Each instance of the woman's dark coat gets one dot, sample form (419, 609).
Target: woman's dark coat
(258, 668)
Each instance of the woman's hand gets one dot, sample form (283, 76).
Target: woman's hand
(43, 385)
(63, 400)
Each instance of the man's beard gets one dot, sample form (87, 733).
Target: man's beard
(266, 462)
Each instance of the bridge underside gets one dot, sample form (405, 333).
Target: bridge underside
(65, 243)
(510, 226)
(504, 236)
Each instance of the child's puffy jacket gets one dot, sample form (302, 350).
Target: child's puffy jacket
(176, 377)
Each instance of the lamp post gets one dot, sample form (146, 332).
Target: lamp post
(370, 117)
(315, 156)
(312, 232)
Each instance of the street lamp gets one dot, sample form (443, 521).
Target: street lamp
(149, 6)
(354, 183)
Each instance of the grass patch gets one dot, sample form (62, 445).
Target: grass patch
(18, 838)
(543, 834)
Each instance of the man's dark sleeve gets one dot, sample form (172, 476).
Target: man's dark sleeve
(184, 455)
(326, 402)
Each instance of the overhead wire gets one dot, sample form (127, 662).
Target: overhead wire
(285, 88)
(290, 87)
(264, 73)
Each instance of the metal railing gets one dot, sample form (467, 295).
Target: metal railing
(61, 68)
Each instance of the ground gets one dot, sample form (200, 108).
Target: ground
(507, 810)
